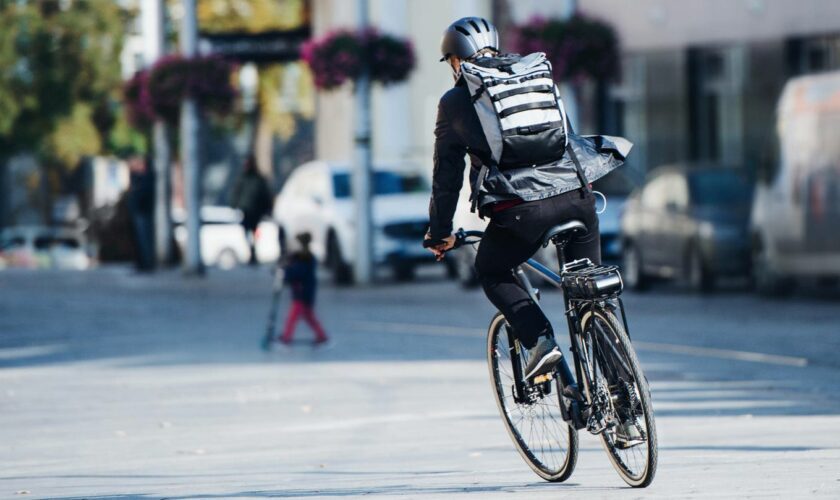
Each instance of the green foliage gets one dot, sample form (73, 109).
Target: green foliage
(59, 64)
(125, 140)
(74, 137)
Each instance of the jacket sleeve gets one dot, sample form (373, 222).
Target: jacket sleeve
(447, 177)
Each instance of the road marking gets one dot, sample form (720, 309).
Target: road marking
(711, 352)
(706, 352)
(11, 353)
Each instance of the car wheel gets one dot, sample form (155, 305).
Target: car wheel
(403, 271)
(766, 281)
(227, 259)
(342, 273)
(632, 270)
(698, 276)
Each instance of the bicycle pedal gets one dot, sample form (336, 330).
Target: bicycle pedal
(547, 377)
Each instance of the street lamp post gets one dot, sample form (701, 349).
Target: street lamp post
(362, 172)
(567, 90)
(189, 149)
(152, 16)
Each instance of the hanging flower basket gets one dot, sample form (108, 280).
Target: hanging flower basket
(578, 48)
(138, 102)
(158, 92)
(343, 55)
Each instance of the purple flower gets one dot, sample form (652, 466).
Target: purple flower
(580, 47)
(341, 55)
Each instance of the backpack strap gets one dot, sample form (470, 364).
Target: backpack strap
(581, 176)
(571, 152)
(479, 181)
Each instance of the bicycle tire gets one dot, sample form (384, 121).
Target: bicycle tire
(624, 348)
(563, 460)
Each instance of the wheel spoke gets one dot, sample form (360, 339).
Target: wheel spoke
(619, 398)
(536, 425)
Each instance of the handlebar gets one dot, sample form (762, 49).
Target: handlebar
(461, 238)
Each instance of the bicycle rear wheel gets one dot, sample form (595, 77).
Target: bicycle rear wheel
(623, 396)
(535, 424)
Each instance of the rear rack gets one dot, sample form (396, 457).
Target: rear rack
(584, 280)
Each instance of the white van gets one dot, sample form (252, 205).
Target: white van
(316, 199)
(795, 223)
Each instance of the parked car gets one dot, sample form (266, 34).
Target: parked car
(796, 212)
(616, 187)
(317, 199)
(688, 222)
(223, 240)
(38, 247)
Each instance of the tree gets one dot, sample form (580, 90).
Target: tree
(59, 78)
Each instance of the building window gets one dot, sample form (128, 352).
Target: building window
(813, 54)
(715, 87)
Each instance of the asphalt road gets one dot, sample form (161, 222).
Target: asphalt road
(118, 386)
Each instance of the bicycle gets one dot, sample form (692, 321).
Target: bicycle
(607, 394)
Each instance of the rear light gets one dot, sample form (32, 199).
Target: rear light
(257, 233)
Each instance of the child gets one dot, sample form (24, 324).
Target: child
(300, 277)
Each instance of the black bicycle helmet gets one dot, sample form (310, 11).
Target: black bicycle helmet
(468, 35)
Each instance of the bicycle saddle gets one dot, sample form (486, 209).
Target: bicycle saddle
(562, 233)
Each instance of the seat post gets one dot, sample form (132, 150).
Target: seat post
(561, 255)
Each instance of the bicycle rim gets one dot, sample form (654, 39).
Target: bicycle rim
(544, 440)
(617, 372)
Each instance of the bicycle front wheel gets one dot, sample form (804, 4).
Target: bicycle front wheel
(531, 415)
(623, 397)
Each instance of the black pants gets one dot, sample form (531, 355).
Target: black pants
(512, 237)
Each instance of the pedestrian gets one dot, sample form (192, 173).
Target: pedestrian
(299, 275)
(252, 196)
(141, 207)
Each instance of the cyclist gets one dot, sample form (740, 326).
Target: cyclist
(521, 203)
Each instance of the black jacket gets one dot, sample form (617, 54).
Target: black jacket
(251, 195)
(300, 276)
(458, 133)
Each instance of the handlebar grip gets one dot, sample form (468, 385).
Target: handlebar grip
(460, 238)
(432, 243)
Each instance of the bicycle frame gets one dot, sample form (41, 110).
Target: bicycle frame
(581, 401)
(580, 407)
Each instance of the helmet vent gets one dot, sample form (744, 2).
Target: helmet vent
(463, 31)
(485, 24)
(475, 25)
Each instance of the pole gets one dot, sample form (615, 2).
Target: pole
(5, 190)
(362, 172)
(567, 90)
(152, 17)
(189, 149)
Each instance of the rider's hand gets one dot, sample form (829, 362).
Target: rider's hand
(440, 250)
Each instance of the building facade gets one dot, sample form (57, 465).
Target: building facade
(699, 80)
